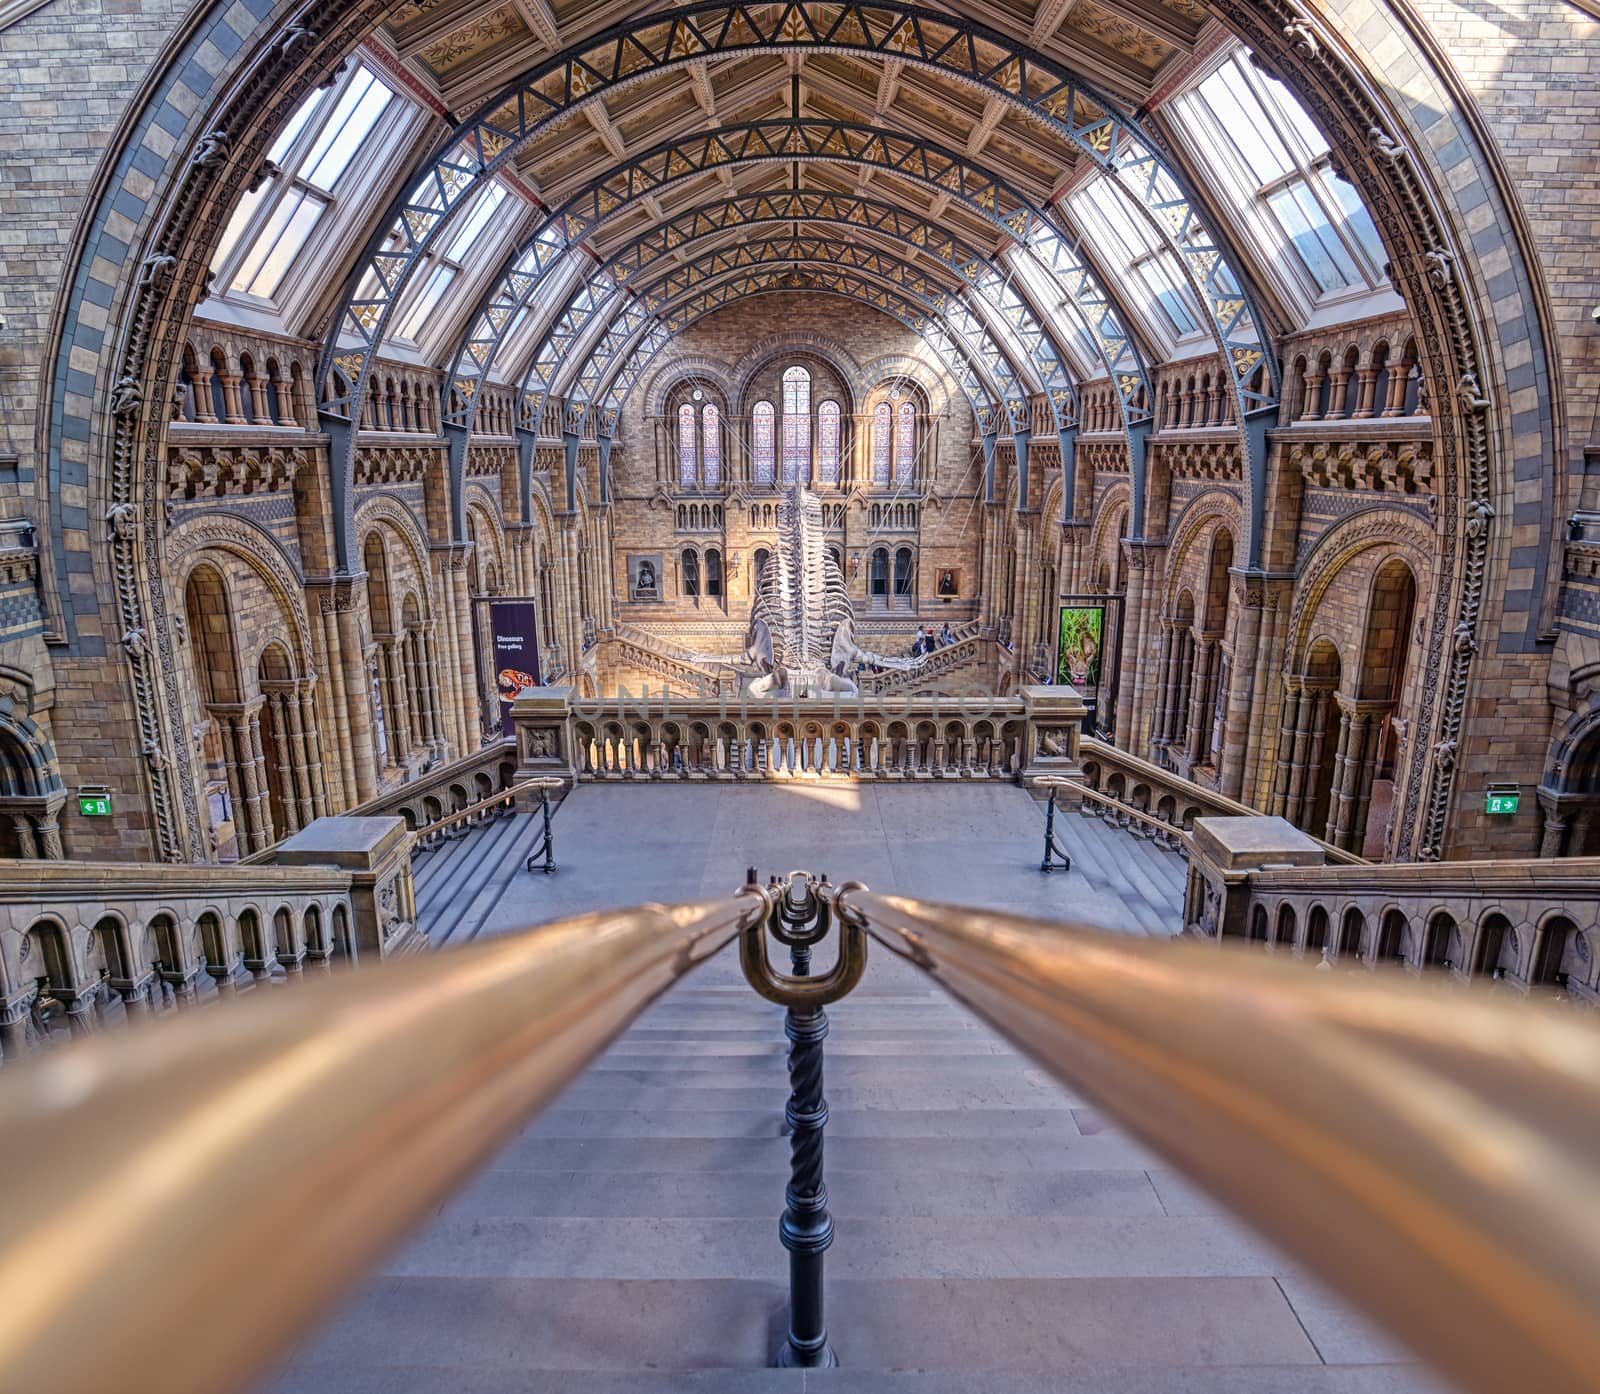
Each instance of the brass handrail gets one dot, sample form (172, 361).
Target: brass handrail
(1432, 1153)
(1160, 825)
(507, 795)
(183, 1201)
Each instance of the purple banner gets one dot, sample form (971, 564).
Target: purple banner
(513, 650)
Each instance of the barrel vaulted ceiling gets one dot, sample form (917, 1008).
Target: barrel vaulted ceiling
(456, 58)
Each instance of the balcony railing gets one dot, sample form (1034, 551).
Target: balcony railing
(1429, 1155)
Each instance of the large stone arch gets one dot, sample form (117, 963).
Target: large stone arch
(1420, 155)
(235, 536)
(667, 374)
(803, 343)
(1341, 544)
(1208, 509)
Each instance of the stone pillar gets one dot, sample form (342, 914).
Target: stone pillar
(356, 681)
(1226, 852)
(412, 670)
(466, 672)
(232, 399)
(203, 410)
(1366, 384)
(278, 702)
(354, 768)
(377, 854)
(1553, 841)
(1131, 720)
(1239, 700)
(438, 730)
(395, 672)
(28, 845)
(322, 799)
(1166, 702)
(256, 776)
(1338, 376)
(1201, 700)
(1351, 775)
(1288, 730)
(1312, 400)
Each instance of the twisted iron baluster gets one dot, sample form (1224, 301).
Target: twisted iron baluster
(806, 1228)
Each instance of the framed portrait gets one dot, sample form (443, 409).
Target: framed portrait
(646, 576)
(947, 583)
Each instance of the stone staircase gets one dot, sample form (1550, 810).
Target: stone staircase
(992, 1233)
(459, 882)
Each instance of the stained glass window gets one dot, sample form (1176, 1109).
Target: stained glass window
(796, 425)
(828, 443)
(882, 442)
(711, 443)
(761, 441)
(686, 460)
(905, 444)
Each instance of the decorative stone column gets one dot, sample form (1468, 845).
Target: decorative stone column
(1352, 773)
(1553, 841)
(27, 843)
(1133, 717)
(1202, 700)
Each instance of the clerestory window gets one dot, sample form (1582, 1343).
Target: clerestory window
(316, 156)
(1275, 170)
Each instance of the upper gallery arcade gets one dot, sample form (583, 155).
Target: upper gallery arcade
(1259, 331)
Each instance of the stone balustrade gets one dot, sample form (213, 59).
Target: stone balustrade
(441, 792)
(661, 737)
(1525, 926)
(1167, 795)
(91, 943)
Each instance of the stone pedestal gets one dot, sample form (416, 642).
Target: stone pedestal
(1226, 851)
(546, 742)
(377, 854)
(1053, 725)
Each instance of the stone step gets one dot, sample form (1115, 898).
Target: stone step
(661, 1324)
(945, 1247)
(768, 1153)
(934, 1125)
(1082, 1378)
(757, 1193)
(983, 1096)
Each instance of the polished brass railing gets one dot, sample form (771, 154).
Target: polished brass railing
(182, 1203)
(1433, 1154)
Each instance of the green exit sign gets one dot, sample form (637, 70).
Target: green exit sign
(1501, 803)
(94, 805)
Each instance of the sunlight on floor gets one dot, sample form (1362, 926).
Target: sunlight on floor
(846, 797)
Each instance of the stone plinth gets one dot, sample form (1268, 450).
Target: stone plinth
(377, 854)
(542, 720)
(1226, 851)
(1054, 719)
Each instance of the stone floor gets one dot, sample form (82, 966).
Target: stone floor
(994, 1234)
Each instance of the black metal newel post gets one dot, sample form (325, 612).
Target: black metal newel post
(806, 1228)
(800, 918)
(1053, 854)
(547, 844)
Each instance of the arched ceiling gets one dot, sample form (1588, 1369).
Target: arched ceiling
(665, 152)
(625, 121)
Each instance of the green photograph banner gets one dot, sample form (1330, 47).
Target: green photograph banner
(1080, 646)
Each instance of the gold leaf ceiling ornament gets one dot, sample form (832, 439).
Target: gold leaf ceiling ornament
(1118, 34)
(460, 45)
